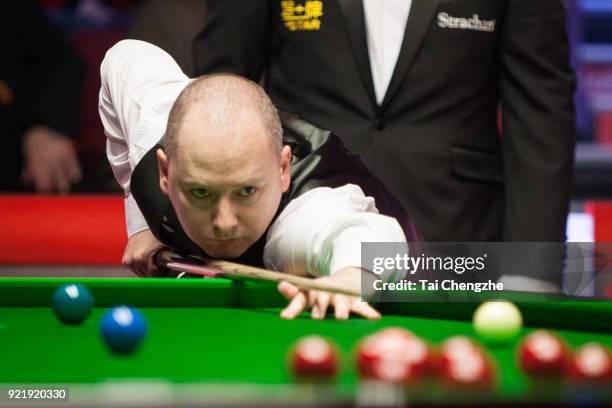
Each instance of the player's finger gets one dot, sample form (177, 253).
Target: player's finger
(312, 296)
(365, 310)
(295, 307)
(157, 263)
(288, 290)
(145, 267)
(342, 304)
(131, 264)
(140, 271)
(314, 312)
(132, 267)
(321, 304)
(137, 269)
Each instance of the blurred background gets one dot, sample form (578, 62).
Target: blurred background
(90, 27)
(93, 26)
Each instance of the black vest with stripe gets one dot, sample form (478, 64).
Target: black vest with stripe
(319, 159)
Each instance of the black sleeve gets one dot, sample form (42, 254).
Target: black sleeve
(235, 38)
(537, 85)
(52, 70)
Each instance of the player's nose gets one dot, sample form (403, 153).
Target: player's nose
(225, 219)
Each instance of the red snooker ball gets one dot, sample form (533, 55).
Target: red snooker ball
(394, 332)
(366, 355)
(393, 355)
(464, 364)
(314, 357)
(455, 346)
(469, 370)
(543, 353)
(419, 355)
(591, 363)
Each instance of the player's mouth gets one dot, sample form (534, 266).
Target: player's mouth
(223, 241)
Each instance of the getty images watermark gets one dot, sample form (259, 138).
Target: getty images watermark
(404, 264)
(409, 272)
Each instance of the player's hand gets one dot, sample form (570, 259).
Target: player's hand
(51, 163)
(139, 252)
(319, 301)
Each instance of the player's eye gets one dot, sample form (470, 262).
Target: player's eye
(246, 191)
(200, 192)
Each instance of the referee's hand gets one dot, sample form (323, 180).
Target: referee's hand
(51, 163)
(319, 301)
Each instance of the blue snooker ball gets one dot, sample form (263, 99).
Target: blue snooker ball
(123, 328)
(72, 303)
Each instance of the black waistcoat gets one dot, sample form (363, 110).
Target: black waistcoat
(319, 159)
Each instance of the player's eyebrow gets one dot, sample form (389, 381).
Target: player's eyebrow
(251, 181)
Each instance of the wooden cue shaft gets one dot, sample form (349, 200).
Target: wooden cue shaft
(234, 269)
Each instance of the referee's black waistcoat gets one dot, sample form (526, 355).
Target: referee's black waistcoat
(319, 159)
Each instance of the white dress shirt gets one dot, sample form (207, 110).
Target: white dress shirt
(385, 26)
(317, 233)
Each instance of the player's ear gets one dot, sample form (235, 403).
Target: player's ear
(286, 168)
(162, 164)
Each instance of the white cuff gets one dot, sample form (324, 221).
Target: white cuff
(134, 220)
(368, 228)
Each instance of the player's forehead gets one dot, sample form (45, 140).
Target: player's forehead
(224, 135)
(229, 150)
(226, 164)
(223, 175)
(233, 150)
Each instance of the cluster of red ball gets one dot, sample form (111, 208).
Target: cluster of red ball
(396, 355)
(545, 354)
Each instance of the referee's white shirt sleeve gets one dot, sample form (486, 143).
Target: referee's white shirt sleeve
(321, 232)
(139, 84)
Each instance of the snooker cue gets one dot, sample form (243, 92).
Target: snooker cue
(235, 270)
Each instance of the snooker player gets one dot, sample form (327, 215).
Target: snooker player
(208, 169)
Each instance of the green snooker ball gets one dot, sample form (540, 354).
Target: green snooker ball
(72, 303)
(497, 321)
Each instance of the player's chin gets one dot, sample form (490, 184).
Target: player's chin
(225, 249)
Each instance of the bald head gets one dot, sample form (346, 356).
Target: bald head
(229, 169)
(219, 101)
